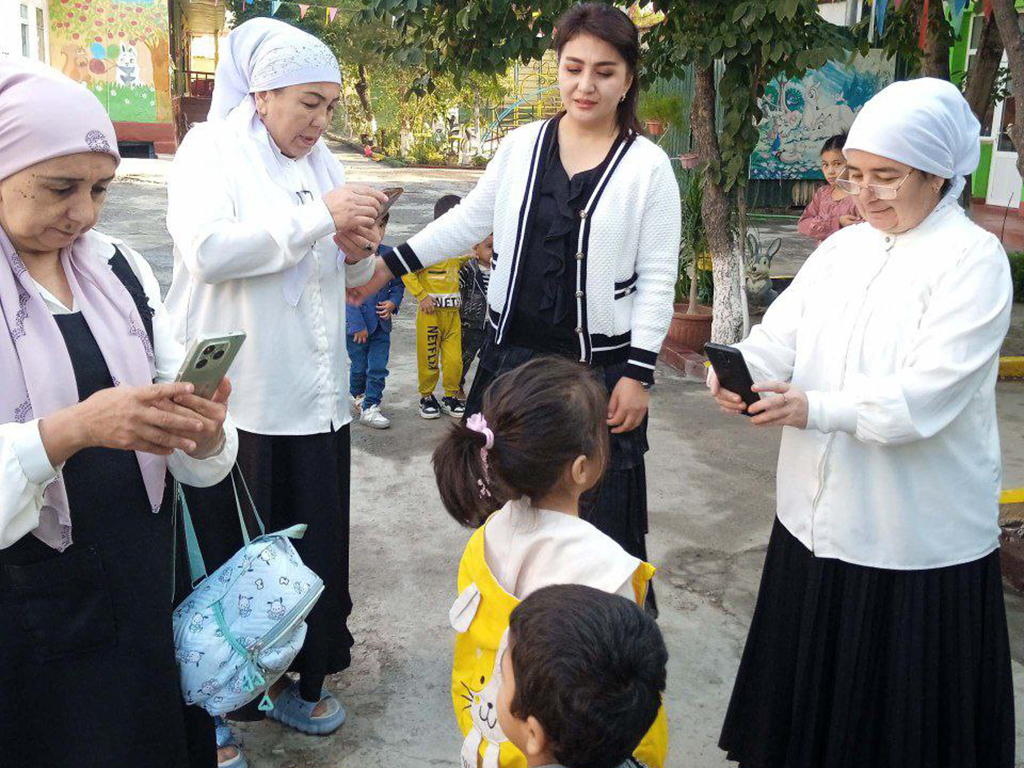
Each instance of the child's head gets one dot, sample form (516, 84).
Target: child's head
(445, 204)
(582, 678)
(833, 162)
(541, 429)
(483, 251)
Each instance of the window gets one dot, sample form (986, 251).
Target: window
(24, 32)
(1009, 118)
(41, 34)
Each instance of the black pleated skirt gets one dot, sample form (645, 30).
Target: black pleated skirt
(853, 667)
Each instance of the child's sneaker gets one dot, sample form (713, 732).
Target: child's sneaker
(372, 417)
(429, 408)
(453, 407)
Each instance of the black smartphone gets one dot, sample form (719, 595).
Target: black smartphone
(732, 372)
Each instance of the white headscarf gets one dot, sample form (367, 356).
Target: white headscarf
(262, 55)
(924, 123)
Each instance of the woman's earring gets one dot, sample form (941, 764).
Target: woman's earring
(623, 97)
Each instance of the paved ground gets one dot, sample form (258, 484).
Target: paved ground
(712, 503)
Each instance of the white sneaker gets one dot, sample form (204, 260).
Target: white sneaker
(372, 417)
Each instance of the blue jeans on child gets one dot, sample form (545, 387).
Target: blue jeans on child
(369, 366)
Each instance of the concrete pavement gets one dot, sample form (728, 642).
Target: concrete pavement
(711, 483)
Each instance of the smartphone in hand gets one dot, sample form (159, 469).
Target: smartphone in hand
(208, 361)
(732, 372)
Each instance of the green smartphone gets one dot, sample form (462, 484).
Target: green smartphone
(208, 361)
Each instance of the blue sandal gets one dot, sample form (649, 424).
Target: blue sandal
(292, 710)
(226, 738)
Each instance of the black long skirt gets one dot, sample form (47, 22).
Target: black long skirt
(847, 666)
(293, 479)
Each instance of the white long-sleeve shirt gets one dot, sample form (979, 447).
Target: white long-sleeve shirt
(895, 339)
(25, 469)
(234, 241)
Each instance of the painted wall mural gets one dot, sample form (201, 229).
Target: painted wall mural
(800, 114)
(120, 50)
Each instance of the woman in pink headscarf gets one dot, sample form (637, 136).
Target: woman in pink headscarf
(90, 424)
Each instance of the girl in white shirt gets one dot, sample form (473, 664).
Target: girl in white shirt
(538, 444)
(879, 636)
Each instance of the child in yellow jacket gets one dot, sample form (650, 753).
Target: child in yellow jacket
(439, 329)
(539, 443)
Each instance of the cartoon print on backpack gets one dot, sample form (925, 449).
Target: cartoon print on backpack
(482, 704)
(268, 555)
(209, 688)
(276, 610)
(259, 583)
(300, 587)
(244, 606)
(190, 657)
(284, 581)
(197, 623)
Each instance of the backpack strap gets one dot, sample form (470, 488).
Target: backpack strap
(123, 271)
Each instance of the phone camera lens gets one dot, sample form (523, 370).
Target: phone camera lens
(208, 350)
(218, 354)
(201, 363)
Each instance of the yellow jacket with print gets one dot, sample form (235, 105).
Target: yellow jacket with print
(480, 615)
(439, 281)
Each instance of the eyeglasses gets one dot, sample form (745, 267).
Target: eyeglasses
(882, 192)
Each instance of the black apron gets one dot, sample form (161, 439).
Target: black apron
(87, 669)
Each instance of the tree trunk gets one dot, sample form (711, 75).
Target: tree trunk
(1009, 30)
(938, 41)
(160, 56)
(981, 78)
(363, 90)
(727, 322)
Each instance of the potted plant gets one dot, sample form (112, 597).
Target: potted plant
(691, 321)
(659, 111)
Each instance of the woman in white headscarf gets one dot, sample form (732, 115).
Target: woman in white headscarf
(266, 237)
(879, 636)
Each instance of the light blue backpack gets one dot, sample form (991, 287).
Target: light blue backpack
(242, 627)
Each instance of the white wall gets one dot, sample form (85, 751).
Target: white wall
(834, 12)
(12, 42)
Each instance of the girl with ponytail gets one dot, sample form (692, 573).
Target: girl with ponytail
(516, 471)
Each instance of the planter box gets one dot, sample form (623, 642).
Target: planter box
(690, 331)
(655, 127)
(689, 160)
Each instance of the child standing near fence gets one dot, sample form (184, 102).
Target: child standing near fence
(539, 443)
(830, 209)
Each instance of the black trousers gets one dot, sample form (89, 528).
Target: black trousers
(293, 479)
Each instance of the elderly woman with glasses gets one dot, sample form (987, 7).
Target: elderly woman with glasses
(879, 637)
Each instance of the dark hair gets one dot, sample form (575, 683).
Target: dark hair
(444, 204)
(608, 23)
(834, 143)
(544, 414)
(590, 667)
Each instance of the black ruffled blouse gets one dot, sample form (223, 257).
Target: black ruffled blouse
(545, 317)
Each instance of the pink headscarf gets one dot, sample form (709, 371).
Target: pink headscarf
(44, 115)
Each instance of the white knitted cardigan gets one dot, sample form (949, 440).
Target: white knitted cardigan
(628, 253)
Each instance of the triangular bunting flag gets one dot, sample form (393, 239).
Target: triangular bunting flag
(302, 10)
(274, 5)
(881, 6)
(331, 13)
(959, 6)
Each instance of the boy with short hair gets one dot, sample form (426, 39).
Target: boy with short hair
(369, 346)
(582, 679)
(439, 329)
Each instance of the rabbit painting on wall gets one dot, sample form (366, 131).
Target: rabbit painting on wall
(128, 66)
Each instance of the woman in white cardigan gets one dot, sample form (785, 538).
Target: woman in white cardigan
(586, 221)
(91, 423)
(879, 636)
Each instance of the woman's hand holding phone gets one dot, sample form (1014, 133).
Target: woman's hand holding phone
(210, 413)
(788, 410)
